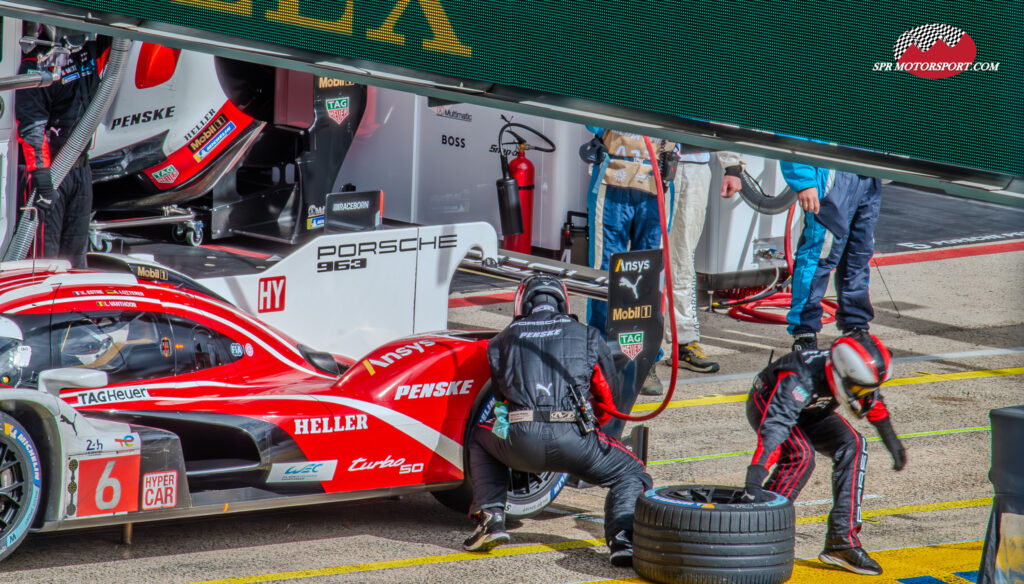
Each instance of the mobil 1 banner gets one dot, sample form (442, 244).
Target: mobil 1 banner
(635, 323)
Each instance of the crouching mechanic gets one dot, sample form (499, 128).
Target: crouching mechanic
(544, 366)
(792, 407)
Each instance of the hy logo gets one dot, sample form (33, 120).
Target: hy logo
(631, 343)
(338, 109)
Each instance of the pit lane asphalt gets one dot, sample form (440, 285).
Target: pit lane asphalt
(957, 330)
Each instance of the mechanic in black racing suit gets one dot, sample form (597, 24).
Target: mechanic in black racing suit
(545, 366)
(792, 407)
(46, 117)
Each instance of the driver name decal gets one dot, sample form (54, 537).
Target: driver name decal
(112, 395)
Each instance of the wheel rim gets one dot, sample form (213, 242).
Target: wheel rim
(523, 486)
(704, 494)
(13, 487)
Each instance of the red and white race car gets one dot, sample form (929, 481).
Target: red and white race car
(133, 393)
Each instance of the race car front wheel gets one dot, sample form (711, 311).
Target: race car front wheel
(528, 493)
(697, 534)
(20, 476)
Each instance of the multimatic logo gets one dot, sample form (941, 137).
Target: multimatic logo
(352, 256)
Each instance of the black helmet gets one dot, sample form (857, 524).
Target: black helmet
(858, 364)
(541, 289)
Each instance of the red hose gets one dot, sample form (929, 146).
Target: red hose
(752, 311)
(668, 291)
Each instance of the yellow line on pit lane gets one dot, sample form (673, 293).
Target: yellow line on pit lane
(941, 562)
(559, 546)
(922, 378)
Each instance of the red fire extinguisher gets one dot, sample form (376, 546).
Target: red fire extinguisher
(521, 169)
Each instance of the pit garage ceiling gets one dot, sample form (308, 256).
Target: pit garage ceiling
(842, 85)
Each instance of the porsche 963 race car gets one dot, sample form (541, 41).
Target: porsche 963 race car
(133, 392)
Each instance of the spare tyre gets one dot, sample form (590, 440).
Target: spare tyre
(700, 534)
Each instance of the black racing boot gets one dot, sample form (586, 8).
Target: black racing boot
(855, 560)
(490, 531)
(805, 342)
(621, 547)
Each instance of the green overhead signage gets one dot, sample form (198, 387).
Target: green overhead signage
(934, 81)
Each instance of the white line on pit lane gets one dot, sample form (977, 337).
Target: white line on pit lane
(936, 357)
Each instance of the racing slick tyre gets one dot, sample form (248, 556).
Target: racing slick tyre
(700, 534)
(528, 493)
(20, 477)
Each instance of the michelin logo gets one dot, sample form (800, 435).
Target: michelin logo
(205, 150)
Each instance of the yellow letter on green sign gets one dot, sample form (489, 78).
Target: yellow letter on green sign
(444, 40)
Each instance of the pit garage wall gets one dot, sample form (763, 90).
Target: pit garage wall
(438, 165)
(10, 58)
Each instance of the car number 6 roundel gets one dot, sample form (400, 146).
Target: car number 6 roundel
(108, 485)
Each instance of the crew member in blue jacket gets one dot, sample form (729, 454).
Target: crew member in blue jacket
(840, 212)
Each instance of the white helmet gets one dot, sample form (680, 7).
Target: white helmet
(858, 364)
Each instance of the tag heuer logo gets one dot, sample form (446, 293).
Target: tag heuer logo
(337, 108)
(631, 343)
(166, 175)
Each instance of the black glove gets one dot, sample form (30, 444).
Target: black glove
(892, 443)
(753, 492)
(42, 182)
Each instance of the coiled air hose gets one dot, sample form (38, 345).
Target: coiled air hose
(77, 142)
(751, 308)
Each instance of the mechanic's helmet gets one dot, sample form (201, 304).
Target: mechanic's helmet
(14, 356)
(858, 364)
(541, 289)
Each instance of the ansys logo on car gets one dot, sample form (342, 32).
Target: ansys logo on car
(935, 51)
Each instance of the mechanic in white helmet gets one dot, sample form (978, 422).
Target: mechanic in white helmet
(546, 366)
(792, 406)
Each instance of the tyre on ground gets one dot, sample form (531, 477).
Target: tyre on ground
(703, 534)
